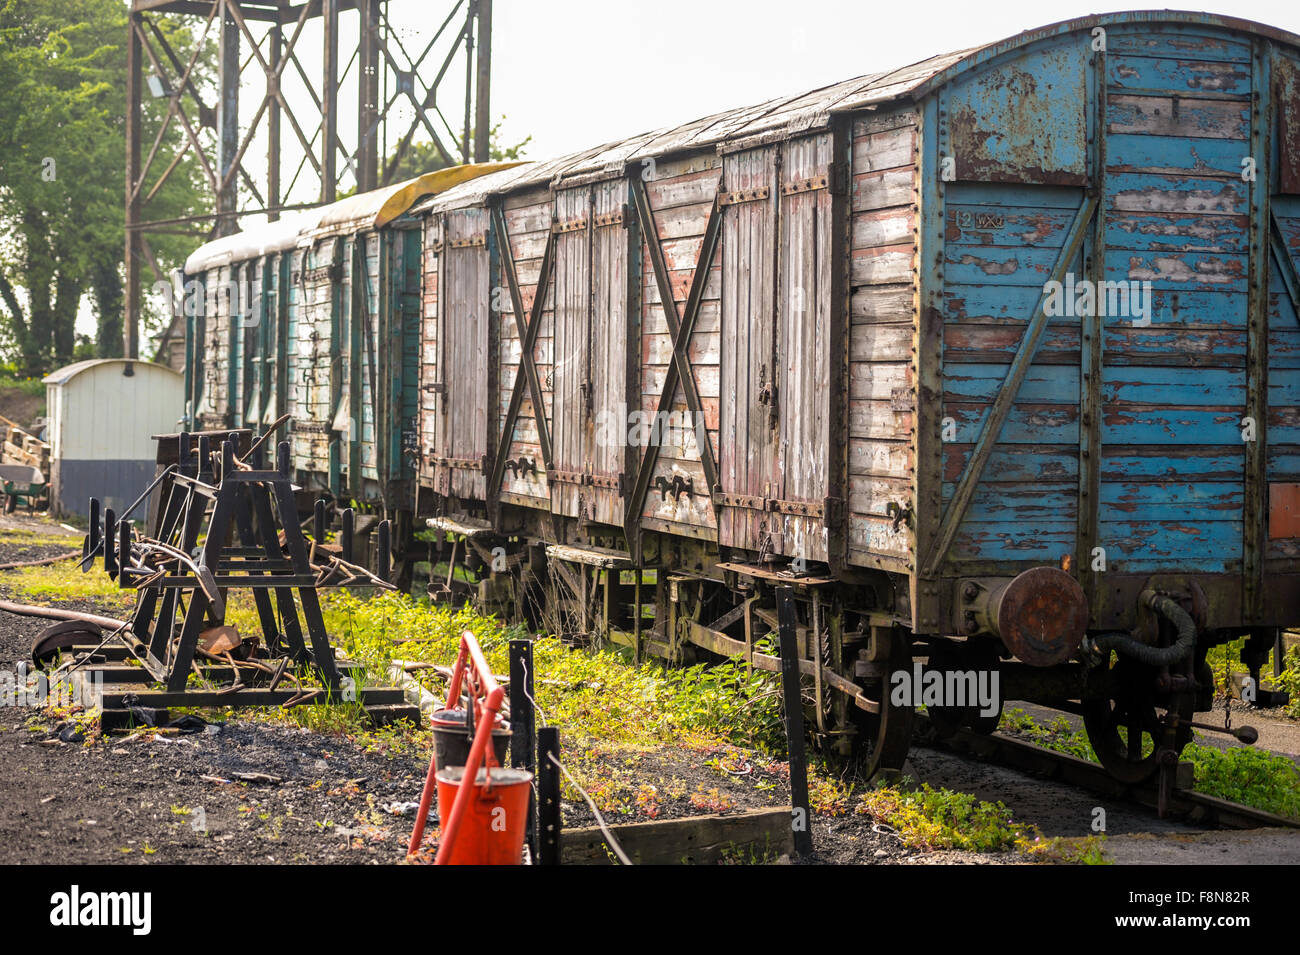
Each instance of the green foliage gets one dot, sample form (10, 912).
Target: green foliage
(62, 166)
(1057, 735)
(932, 818)
(1290, 681)
(1242, 774)
(598, 696)
(1250, 776)
(1224, 659)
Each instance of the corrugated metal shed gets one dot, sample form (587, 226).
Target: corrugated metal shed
(103, 414)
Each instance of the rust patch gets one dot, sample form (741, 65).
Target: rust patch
(1283, 511)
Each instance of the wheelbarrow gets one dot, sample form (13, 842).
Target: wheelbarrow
(23, 484)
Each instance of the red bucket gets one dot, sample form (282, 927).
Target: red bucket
(492, 830)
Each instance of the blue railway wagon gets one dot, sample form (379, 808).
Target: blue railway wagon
(991, 357)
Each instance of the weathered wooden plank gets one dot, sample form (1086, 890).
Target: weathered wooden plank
(883, 189)
(881, 266)
(1180, 116)
(1126, 72)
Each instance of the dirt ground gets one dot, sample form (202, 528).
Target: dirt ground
(253, 791)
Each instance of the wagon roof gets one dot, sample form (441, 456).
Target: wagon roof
(365, 210)
(804, 112)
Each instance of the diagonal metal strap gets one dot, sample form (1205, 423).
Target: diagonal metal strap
(1006, 396)
(680, 330)
(1290, 277)
(528, 338)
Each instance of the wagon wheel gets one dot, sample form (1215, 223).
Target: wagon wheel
(885, 736)
(1128, 723)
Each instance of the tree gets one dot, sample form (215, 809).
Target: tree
(62, 168)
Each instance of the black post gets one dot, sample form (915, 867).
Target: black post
(548, 796)
(205, 457)
(110, 544)
(802, 820)
(124, 554)
(93, 540)
(345, 534)
(523, 723)
(282, 461)
(384, 550)
(318, 525)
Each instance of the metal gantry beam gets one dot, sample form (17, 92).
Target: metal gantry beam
(261, 52)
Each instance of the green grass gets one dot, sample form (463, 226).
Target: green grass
(65, 581)
(600, 699)
(1242, 774)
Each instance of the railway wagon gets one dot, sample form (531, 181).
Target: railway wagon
(992, 358)
(317, 316)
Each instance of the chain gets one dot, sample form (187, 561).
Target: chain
(1227, 694)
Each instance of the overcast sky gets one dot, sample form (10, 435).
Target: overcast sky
(575, 73)
(578, 73)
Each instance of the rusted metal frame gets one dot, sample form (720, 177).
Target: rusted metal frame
(173, 105)
(1092, 339)
(367, 151)
(131, 214)
(290, 56)
(421, 107)
(227, 119)
(191, 135)
(468, 34)
(273, 85)
(149, 256)
(1007, 393)
(927, 357)
(322, 653)
(179, 672)
(1254, 502)
(680, 367)
(837, 470)
(330, 98)
(260, 497)
(527, 332)
(724, 645)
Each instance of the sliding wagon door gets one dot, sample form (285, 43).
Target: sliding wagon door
(805, 305)
(571, 374)
(462, 389)
(748, 438)
(590, 377)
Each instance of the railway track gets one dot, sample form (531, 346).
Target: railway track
(1182, 803)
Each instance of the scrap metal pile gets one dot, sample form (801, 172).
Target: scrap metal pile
(221, 521)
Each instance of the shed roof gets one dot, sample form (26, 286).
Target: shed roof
(65, 374)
